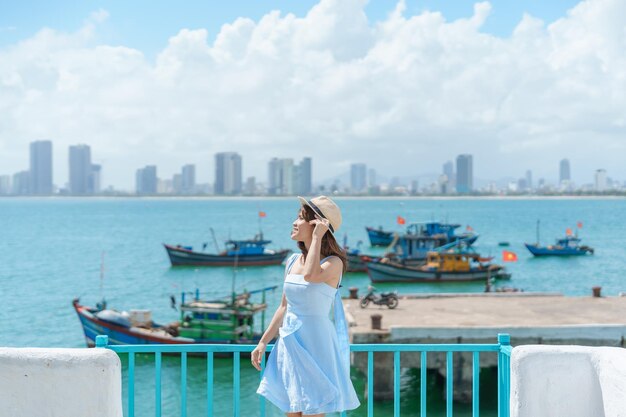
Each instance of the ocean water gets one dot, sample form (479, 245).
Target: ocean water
(51, 251)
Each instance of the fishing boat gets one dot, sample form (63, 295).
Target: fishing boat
(251, 252)
(379, 237)
(445, 265)
(355, 256)
(566, 246)
(226, 320)
(444, 231)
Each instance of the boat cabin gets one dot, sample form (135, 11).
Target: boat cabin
(567, 242)
(451, 261)
(432, 229)
(217, 320)
(417, 246)
(246, 247)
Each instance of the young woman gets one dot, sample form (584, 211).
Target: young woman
(308, 370)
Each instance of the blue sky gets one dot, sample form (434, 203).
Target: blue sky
(147, 25)
(519, 84)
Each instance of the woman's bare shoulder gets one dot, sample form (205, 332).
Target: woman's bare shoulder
(334, 261)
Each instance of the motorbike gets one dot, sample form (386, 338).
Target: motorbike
(390, 299)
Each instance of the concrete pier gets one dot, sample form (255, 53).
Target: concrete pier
(477, 318)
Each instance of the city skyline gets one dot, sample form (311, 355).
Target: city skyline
(285, 177)
(517, 99)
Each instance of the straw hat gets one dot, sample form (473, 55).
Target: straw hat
(325, 208)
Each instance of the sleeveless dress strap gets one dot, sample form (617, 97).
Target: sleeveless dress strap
(290, 262)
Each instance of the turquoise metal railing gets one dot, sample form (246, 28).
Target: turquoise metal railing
(502, 348)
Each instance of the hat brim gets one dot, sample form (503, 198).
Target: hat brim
(305, 202)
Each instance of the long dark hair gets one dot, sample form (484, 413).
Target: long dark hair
(329, 247)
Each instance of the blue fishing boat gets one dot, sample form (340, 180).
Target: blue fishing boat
(445, 231)
(251, 252)
(226, 320)
(566, 246)
(441, 230)
(379, 237)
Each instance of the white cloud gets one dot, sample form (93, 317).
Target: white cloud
(404, 94)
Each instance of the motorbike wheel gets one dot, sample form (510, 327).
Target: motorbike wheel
(364, 302)
(392, 302)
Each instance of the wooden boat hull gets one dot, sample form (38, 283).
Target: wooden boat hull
(180, 256)
(120, 335)
(355, 264)
(545, 251)
(392, 272)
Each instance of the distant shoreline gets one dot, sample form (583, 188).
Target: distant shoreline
(338, 197)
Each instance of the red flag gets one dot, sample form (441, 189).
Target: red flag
(508, 256)
(262, 214)
(469, 228)
(568, 231)
(579, 225)
(401, 220)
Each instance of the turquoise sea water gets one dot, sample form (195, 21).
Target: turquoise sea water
(51, 250)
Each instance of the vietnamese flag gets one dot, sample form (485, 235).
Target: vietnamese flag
(401, 220)
(508, 256)
(568, 232)
(579, 225)
(469, 228)
(262, 214)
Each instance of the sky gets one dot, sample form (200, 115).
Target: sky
(402, 86)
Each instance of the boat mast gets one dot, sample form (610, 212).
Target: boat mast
(102, 276)
(537, 232)
(237, 249)
(217, 248)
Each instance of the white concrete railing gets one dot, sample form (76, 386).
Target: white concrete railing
(568, 381)
(38, 382)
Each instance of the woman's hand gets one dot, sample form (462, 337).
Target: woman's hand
(321, 226)
(257, 355)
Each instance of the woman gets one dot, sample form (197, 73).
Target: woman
(308, 370)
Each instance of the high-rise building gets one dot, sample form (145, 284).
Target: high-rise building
(21, 183)
(564, 171)
(146, 181)
(5, 184)
(464, 174)
(188, 178)
(273, 177)
(177, 184)
(287, 178)
(80, 170)
(95, 181)
(358, 178)
(415, 187)
(448, 171)
(228, 173)
(250, 186)
(600, 180)
(282, 176)
(303, 178)
(371, 177)
(40, 167)
(529, 180)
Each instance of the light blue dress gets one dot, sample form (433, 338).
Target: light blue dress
(308, 370)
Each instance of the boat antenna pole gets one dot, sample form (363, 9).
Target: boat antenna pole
(234, 275)
(537, 232)
(102, 279)
(217, 248)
